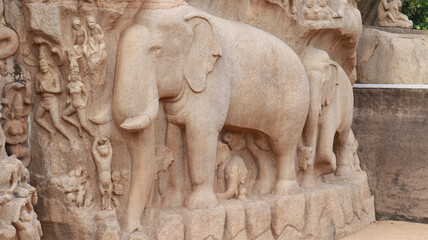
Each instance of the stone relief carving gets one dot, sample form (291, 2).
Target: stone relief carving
(48, 85)
(136, 121)
(197, 119)
(103, 153)
(17, 197)
(318, 10)
(8, 37)
(330, 115)
(15, 125)
(389, 15)
(77, 102)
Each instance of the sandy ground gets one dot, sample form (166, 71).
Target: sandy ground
(391, 230)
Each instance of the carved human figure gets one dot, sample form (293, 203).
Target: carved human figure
(48, 85)
(389, 15)
(27, 225)
(95, 52)
(77, 101)
(205, 97)
(80, 36)
(15, 126)
(116, 178)
(103, 152)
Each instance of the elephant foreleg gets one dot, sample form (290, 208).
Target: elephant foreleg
(141, 147)
(201, 152)
(174, 141)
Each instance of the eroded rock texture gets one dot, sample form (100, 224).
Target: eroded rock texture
(399, 57)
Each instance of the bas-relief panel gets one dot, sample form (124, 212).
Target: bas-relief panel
(158, 115)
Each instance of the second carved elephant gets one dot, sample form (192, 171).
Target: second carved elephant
(326, 132)
(212, 73)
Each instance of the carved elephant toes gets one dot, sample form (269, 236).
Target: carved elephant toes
(286, 187)
(133, 226)
(173, 198)
(262, 187)
(201, 198)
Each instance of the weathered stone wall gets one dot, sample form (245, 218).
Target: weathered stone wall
(391, 127)
(392, 55)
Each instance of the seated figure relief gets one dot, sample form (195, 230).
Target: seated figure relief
(389, 15)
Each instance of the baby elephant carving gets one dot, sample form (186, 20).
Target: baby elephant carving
(235, 173)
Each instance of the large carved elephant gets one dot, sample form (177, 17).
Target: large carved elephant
(328, 125)
(8, 38)
(212, 73)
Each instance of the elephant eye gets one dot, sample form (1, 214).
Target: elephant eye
(156, 49)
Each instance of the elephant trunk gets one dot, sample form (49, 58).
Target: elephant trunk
(135, 100)
(232, 184)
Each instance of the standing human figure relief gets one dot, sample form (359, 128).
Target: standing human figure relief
(102, 153)
(48, 86)
(77, 101)
(15, 126)
(388, 15)
(213, 56)
(79, 41)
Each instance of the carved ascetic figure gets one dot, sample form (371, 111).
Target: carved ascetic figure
(15, 127)
(223, 84)
(27, 225)
(388, 15)
(48, 86)
(330, 115)
(8, 37)
(103, 152)
(80, 37)
(77, 102)
(95, 52)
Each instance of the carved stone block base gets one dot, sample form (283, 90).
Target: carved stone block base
(337, 208)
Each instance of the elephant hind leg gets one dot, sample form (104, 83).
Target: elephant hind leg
(341, 150)
(285, 151)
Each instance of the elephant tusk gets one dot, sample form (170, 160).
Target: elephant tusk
(136, 124)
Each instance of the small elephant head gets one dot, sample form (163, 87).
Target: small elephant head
(235, 174)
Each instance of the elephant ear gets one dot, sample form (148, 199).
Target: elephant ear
(203, 53)
(330, 83)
